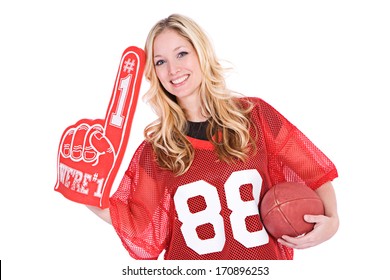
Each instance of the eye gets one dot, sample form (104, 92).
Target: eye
(159, 62)
(181, 54)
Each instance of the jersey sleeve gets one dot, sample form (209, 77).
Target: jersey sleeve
(139, 208)
(292, 156)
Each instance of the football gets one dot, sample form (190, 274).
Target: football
(284, 205)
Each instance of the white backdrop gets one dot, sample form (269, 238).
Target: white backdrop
(323, 64)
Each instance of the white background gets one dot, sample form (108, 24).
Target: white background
(324, 64)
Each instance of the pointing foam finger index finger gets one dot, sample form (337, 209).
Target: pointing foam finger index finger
(124, 97)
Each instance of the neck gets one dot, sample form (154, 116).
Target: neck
(195, 116)
(192, 109)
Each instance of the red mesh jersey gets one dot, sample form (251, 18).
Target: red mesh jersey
(212, 211)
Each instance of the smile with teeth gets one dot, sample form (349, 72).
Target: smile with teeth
(180, 80)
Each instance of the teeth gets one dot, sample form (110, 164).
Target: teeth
(180, 80)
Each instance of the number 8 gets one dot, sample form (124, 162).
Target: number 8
(192, 220)
(242, 209)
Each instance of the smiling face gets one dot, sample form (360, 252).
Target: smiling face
(177, 66)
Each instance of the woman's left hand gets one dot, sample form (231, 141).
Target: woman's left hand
(325, 227)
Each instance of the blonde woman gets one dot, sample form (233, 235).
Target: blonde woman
(193, 187)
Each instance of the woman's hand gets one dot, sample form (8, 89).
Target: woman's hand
(103, 214)
(325, 225)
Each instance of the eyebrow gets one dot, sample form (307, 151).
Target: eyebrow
(174, 50)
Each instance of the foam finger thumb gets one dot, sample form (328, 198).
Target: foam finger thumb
(101, 143)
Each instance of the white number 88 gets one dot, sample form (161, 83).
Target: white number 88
(211, 214)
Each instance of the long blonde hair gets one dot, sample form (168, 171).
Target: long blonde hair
(228, 118)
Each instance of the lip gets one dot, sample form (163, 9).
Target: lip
(180, 80)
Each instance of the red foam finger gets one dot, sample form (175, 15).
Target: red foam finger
(91, 151)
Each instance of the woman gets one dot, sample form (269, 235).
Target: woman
(194, 185)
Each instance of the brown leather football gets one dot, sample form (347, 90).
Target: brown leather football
(284, 205)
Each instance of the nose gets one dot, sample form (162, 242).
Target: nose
(174, 68)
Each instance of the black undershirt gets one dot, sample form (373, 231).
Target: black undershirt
(197, 130)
